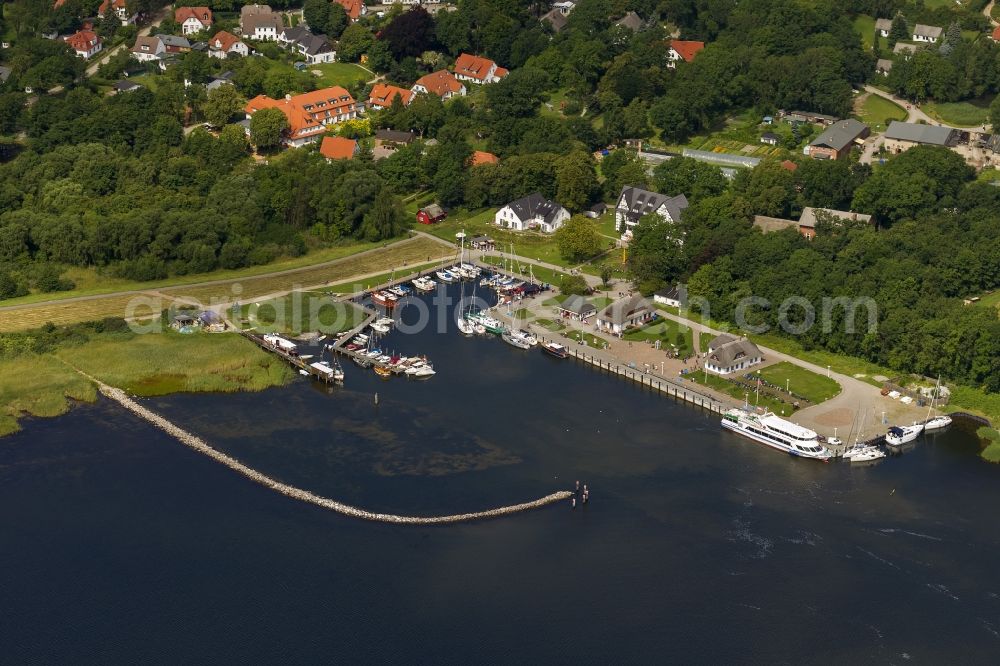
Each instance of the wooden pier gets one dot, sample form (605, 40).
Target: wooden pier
(295, 361)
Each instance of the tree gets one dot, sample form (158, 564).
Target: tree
(573, 284)
(336, 21)
(684, 175)
(578, 239)
(267, 128)
(576, 180)
(317, 14)
(221, 104)
(385, 220)
(995, 114)
(606, 273)
(355, 41)
(899, 30)
(655, 253)
(409, 34)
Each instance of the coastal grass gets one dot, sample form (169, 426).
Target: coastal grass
(588, 339)
(372, 281)
(161, 363)
(992, 438)
(877, 112)
(667, 331)
(811, 386)
(970, 113)
(43, 385)
(38, 385)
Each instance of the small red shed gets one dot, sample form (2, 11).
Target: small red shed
(431, 214)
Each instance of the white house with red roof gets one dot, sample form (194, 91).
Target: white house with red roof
(383, 94)
(309, 114)
(682, 50)
(193, 19)
(225, 44)
(355, 9)
(119, 9)
(477, 69)
(86, 43)
(440, 83)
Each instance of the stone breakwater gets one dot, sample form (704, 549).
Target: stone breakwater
(200, 446)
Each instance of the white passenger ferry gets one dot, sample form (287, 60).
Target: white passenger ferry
(776, 432)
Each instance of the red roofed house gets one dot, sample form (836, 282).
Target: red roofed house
(338, 148)
(441, 83)
(681, 50)
(309, 114)
(481, 157)
(120, 10)
(85, 42)
(383, 94)
(224, 44)
(996, 34)
(355, 8)
(478, 70)
(431, 214)
(789, 165)
(193, 19)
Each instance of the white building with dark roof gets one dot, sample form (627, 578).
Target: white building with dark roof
(634, 202)
(727, 355)
(532, 212)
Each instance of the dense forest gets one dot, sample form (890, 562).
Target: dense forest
(116, 182)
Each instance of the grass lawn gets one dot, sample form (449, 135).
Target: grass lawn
(550, 325)
(970, 113)
(739, 392)
(302, 312)
(90, 282)
(877, 112)
(811, 386)
(589, 339)
(667, 332)
(398, 256)
(864, 26)
(990, 300)
(340, 74)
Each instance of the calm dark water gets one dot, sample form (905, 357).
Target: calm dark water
(119, 545)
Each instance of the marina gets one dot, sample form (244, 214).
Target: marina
(371, 346)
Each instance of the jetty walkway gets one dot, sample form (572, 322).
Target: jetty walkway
(196, 443)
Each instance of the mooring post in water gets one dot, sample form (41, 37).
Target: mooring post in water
(376, 397)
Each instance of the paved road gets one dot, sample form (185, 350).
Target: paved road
(157, 20)
(915, 114)
(838, 412)
(988, 13)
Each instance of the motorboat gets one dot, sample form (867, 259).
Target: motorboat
(555, 349)
(446, 276)
(479, 329)
(776, 433)
(424, 284)
(490, 324)
(899, 435)
(386, 299)
(382, 371)
(937, 422)
(398, 291)
(379, 327)
(863, 453)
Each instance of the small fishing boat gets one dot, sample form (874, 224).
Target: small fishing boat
(380, 328)
(385, 321)
(383, 371)
(937, 422)
(555, 349)
(402, 290)
(899, 435)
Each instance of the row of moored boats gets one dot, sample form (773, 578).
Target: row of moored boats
(796, 440)
(366, 352)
